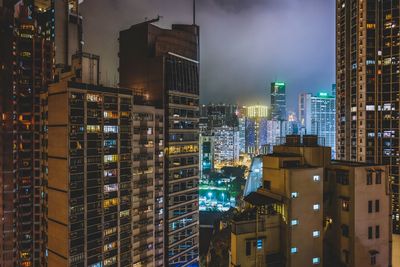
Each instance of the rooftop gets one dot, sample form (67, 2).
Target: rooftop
(99, 88)
(354, 163)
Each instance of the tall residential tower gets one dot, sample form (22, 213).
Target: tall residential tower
(367, 67)
(163, 64)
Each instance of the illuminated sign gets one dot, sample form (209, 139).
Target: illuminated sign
(279, 84)
(323, 94)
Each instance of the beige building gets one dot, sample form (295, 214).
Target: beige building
(357, 211)
(105, 160)
(255, 245)
(331, 212)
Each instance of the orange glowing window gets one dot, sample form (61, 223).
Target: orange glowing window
(371, 26)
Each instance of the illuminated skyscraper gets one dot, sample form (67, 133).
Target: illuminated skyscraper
(278, 101)
(256, 117)
(317, 116)
(367, 80)
(164, 65)
(226, 144)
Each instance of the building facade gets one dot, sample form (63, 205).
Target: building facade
(148, 183)
(334, 213)
(317, 114)
(26, 57)
(226, 145)
(207, 151)
(356, 207)
(367, 86)
(89, 151)
(163, 64)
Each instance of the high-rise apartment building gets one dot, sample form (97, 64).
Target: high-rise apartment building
(219, 115)
(368, 86)
(163, 64)
(317, 115)
(89, 154)
(26, 57)
(278, 101)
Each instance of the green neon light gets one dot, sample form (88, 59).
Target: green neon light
(323, 94)
(280, 84)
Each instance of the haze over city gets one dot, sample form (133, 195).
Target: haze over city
(245, 45)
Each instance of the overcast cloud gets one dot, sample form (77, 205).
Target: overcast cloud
(245, 44)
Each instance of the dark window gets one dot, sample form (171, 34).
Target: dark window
(342, 177)
(369, 178)
(369, 206)
(248, 248)
(346, 256)
(373, 259)
(267, 185)
(377, 231)
(370, 232)
(377, 205)
(378, 177)
(345, 230)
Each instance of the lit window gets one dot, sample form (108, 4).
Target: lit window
(110, 129)
(110, 202)
(110, 114)
(315, 260)
(110, 158)
(316, 178)
(124, 213)
(259, 244)
(370, 107)
(316, 207)
(93, 98)
(294, 222)
(110, 188)
(110, 231)
(109, 246)
(293, 250)
(110, 261)
(315, 233)
(93, 128)
(295, 194)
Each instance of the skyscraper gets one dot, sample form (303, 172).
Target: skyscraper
(255, 123)
(317, 115)
(278, 101)
(367, 65)
(164, 65)
(226, 145)
(26, 56)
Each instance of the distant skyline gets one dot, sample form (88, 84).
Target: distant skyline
(245, 45)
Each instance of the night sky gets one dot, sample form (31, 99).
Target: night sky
(245, 44)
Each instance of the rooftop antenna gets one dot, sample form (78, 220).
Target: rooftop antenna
(194, 12)
(153, 20)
